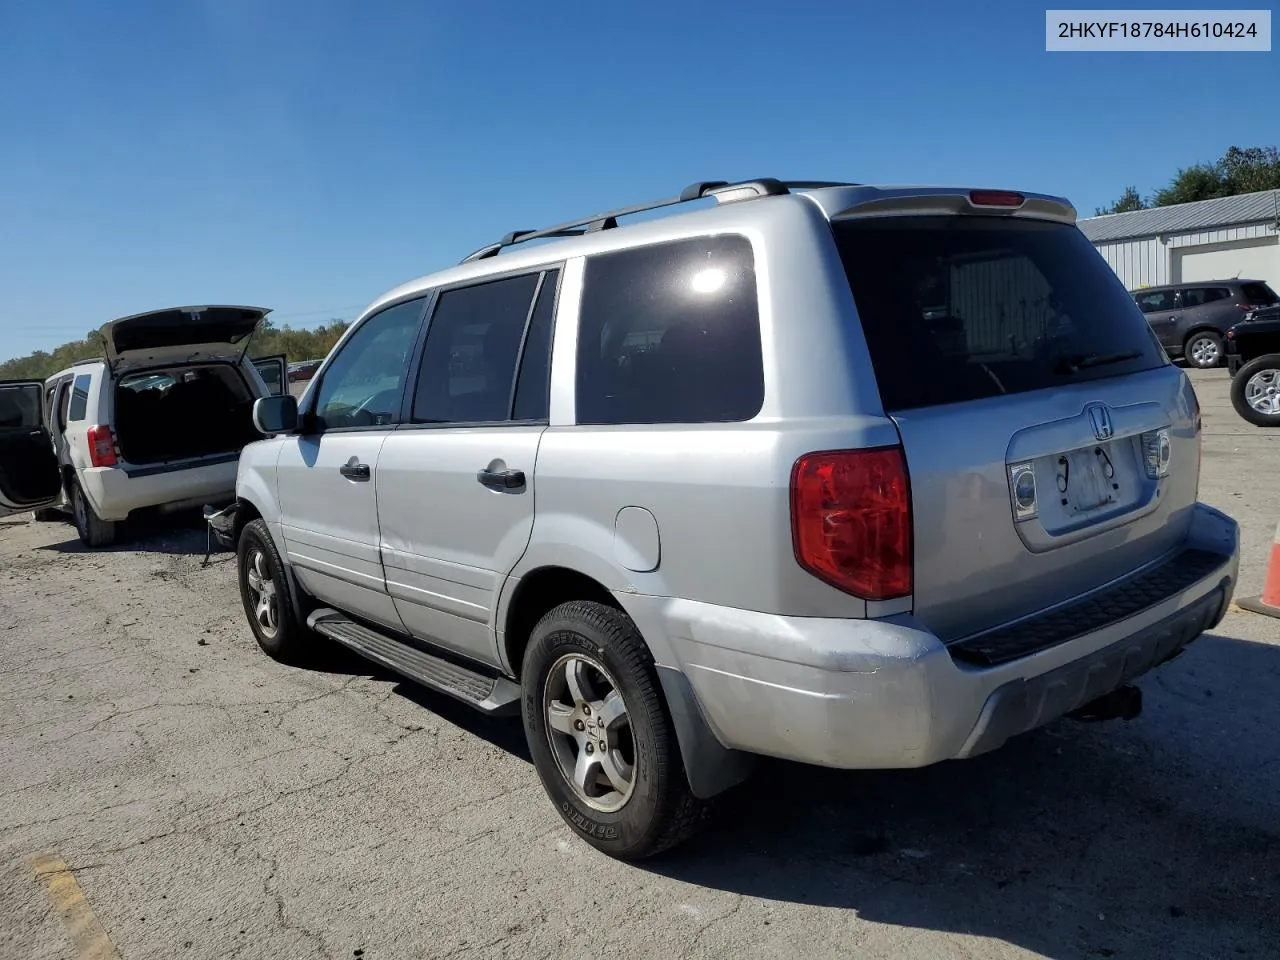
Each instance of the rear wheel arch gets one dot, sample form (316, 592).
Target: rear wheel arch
(537, 593)
(709, 766)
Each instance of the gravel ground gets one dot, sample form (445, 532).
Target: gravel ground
(193, 799)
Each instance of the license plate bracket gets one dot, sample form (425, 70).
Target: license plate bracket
(1087, 479)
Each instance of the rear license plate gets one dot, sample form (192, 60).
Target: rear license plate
(1087, 479)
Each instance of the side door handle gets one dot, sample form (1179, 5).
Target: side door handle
(353, 469)
(501, 479)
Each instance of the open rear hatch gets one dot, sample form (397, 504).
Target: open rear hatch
(178, 335)
(1051, 448)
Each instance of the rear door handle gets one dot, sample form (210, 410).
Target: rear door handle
(353, 469)
(501, 479)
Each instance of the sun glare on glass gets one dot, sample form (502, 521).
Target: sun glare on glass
(707, 281)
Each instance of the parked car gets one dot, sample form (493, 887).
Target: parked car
(303, 370)
(1191, 319)
(676, 493)
(1253, 357)
(158, 423)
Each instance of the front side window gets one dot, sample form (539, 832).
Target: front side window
(79, 398)
(363, 385)
(469, 364)
(1155, 301)
(20, 407)
(670, 333)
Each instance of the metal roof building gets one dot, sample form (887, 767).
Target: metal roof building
(1206, 240)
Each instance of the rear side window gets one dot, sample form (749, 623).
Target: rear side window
(79, 398)
(470, 362)
(1155, 301)
(1199, 296)
(960, 308)
(1258, 294)
(670, 333)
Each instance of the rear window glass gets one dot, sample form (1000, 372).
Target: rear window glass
(1258, 294)
(960, 308)
(1199, 296)
(670, 333)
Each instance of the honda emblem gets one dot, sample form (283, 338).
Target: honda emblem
(1100, 418)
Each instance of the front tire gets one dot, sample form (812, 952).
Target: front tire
(599, 733)
(264, 592)
(1204, 350)
(1255, 391)
(93, 530)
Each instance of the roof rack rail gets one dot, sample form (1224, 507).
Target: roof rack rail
(722, 190)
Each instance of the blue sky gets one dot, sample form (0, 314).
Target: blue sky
(307, 156)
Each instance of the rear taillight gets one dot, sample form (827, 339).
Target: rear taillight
(102, 447)
(851, 520)
(1246, 307)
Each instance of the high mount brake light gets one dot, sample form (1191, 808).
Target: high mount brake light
(996, 198)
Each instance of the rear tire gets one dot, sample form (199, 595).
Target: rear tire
(601, 739)
(264, 592)
(46, 515)
(1255, 391)
(93, 530)
(1204, 349)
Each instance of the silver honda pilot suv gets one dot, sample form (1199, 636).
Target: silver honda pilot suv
(855, 476)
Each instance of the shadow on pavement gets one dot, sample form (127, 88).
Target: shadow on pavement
(1158, 838)
(175, 534)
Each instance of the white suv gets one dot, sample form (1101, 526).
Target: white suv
(159, 423)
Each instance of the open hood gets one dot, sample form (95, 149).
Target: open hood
(180, 335)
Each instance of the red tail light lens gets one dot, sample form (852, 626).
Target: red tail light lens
(102, 447)
(996, 198)
(851, 520)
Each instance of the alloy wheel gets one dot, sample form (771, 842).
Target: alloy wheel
(590, 732)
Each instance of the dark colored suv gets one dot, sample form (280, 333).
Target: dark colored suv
(1191, 319)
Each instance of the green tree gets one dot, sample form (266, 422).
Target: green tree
(268, 340)
(1239, 170)
(1129, 200)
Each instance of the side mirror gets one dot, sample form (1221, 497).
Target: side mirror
(278, 414)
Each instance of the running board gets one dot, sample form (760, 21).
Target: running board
(493, 695)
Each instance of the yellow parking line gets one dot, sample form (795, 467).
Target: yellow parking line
(90, 939)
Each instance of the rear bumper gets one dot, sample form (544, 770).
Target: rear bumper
(115, 494)
(887, 693)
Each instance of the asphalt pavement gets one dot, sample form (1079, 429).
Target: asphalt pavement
(170, 792)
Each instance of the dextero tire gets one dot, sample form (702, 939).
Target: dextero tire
(46, 515)
(1255, 391)
(264, 592)
(93, 530)
(600, 736)
(1204, 349)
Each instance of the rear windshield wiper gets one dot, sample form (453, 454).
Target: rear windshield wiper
(1084, 361)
